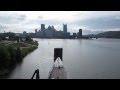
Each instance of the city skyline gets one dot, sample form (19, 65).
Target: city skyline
(51, 32)
(19, 21)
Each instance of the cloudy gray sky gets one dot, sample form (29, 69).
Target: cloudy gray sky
(19, 21)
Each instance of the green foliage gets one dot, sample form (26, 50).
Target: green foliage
(18, 45)
(29, 39)
(17, 39)
(18, 54)
(36, 43)
(0, 39)
(25, 51)
(109, 34)
(12, 53)
(4, 57)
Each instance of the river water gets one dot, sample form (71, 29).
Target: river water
(82, 59)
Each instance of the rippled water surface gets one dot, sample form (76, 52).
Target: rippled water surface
(83, 59)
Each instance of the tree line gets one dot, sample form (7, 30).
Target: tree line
(13, 53)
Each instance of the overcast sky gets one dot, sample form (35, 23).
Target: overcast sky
(19, 21)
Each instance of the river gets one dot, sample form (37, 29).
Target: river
(82, 59)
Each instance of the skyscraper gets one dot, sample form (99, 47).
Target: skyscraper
(42, 27)
(80, 33)
(65, 28)
(35, 30)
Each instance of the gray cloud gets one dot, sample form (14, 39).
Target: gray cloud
(22, 17)
(3, 28)
(107, 22)
(12, 19)
(40, 17)
(89, 21)
(44, 21)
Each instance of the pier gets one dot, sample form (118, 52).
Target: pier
(58, 70)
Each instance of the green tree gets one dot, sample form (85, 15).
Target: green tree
(4, 57)
(18, 54)
(12, 52)
(28, 39)
(18, 39)
(0, 39)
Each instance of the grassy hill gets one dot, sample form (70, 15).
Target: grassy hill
(109, 34)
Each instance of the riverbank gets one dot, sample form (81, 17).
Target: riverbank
(12, 52)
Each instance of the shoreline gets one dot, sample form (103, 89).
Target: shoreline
(21, 50)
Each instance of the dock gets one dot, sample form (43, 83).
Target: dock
(58, 70)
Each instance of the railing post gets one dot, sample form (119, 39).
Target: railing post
(36, 73)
